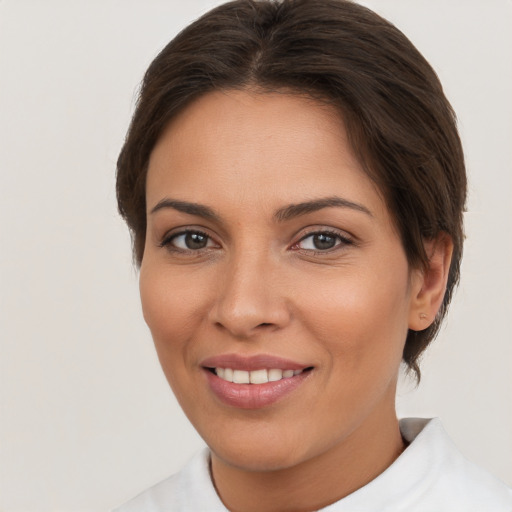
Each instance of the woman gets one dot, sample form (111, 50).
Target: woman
(294, 184)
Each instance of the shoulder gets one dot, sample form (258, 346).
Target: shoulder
(168, 491)
(431, 475)
(447, 480)
(190, 489)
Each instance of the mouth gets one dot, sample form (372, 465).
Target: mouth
(253, 382)
(261, 376)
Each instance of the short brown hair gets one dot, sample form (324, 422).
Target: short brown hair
(399, 121)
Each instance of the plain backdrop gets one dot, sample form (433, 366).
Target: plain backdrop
(87, 419)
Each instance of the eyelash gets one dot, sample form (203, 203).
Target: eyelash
(343, 242)
(167, 240)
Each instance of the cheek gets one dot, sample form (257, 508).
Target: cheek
(170, 304)
(360, 318)
(173, 309)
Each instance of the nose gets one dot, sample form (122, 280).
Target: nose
(251, 298)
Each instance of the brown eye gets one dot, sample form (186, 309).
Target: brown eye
(189, 241)
(196, 240)
(322, 241)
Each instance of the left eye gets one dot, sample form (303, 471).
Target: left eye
(322, 241)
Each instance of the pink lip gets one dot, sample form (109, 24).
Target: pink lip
(248, 363)
(252, 396)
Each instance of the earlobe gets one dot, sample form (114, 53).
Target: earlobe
(429, 285)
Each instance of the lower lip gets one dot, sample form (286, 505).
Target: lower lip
(253, 396)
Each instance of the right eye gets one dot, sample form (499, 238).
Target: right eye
(189, 240)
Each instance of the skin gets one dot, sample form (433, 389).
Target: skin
(260, 286)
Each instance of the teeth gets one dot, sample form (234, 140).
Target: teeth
(274, 375)
(258, 376)
(255, 376)
(241, 377)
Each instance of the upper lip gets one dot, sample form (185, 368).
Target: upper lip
(249, 363)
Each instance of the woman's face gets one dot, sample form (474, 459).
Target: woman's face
(270, 253)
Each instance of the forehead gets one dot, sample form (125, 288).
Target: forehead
(263, 148)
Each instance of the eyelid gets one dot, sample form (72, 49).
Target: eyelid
(169, 236)
(345, 239)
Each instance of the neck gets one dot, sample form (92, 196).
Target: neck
(318, 482)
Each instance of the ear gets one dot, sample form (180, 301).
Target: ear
(428, 286)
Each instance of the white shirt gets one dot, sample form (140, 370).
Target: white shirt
(431, 475)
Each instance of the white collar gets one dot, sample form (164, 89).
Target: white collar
(429, 476)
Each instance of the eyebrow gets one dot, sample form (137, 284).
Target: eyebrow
(296, 210)
(197, 209)
(281, 215)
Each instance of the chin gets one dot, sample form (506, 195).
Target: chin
(257, 459)
(261, 447)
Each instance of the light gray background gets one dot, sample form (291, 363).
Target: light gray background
(87, 419)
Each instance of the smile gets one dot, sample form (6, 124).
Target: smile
(253, 382)
(255, 376)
